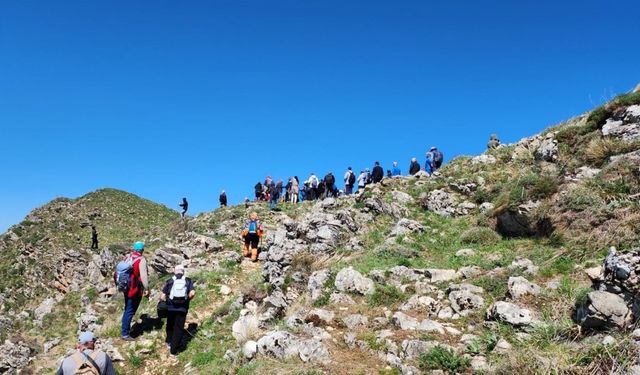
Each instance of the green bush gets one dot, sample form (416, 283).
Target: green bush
(386, 295)
(447, 360)
(480, 236)
(581, 199)
(532, 186)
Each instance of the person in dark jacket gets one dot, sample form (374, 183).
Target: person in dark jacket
(258, 191)
(377, 173)
(94, 238)
(223, 199)
(274, 194)
(349, 181)
(414, 167)
(185, 206)
(177, 299)
(329, 184)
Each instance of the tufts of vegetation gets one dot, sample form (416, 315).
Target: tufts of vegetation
(447, 360)
(386, 295)
(480, 236)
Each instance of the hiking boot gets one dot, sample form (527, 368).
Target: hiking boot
(254, 255)
(127, 338)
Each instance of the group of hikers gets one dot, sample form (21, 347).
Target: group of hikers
(313, 188)
(132, 280)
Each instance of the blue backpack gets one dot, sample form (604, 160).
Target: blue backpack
(253, 226)
(123, 273)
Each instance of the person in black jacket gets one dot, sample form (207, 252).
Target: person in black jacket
(223, 199)
(177, 299)
(94, 238)
(258, 191)
(185, 206)
(377, 173)
(329, 184)
(414, 167)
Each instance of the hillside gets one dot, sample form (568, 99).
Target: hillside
(491, 265)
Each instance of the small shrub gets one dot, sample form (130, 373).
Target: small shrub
(581, 199)
(533, 186)
(598, 150)
(480, 236)
(386, 295)
(136, 361)
(447, 360)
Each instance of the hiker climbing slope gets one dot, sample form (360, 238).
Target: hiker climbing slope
(87, 360)
(185, 206)
(94, 238)
(252, 230)
(178, 291)
(131, 278)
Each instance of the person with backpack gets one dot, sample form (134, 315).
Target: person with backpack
(223, 199)
(494, 142)
(437, 156)
(131, 278)
(87, 360)
(94, 238)
(362, 180)
(178, 291)
(258, 191)
(349, 181)
(396, 170)
(252, 230)
(274, 194)
(428, 163)
(414, 167)
(313, 186)
(185, 206)
(329, 184)
(377, 173)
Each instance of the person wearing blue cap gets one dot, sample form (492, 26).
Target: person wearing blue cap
(87, 360)
(132, 280)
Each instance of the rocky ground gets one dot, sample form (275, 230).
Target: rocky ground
(520, 260)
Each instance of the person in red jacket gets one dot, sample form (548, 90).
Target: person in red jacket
(138, 287)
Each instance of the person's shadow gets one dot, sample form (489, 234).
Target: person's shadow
(145, 324)
(189, 334)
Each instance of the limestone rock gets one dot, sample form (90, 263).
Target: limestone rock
(350, 280)
(519, 286)
(316, 283)
(605, 310)
(509, 313)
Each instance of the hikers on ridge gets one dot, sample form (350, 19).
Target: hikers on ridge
(178, 291)
(329, 185)
(494, 142)
(396, 170)
(377, 173)
(87, 360)
(414, 167)
(131, 278)
(349, 181)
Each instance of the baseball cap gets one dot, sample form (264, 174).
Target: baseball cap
(86, 337)
(179, 270)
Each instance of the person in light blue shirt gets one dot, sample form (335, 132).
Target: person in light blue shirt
(395, 171)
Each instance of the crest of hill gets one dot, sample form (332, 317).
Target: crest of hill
(64, 224)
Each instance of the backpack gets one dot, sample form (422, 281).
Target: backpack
(123, 273)
(253, 226)
(352, 179)
(437, 158)
(314, 182)
(329, 180)
(86, 365)
(178, 295)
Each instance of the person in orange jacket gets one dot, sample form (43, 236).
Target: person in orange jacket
(252, 230)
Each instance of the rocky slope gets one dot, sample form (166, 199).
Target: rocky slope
(494, 265)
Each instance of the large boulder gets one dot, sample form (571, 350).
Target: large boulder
(519, 286)
(511, 314)
(440, 202)
(604, 310)
(282, 345)
(350, 280)
(14, 356)
(548, 149)
(316, 283)
(522, 222)
(624, 124)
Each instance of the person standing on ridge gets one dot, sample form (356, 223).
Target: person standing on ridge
(396, 170)
(252, 230)
(377, 173)
(329, 185)
(87, 360)
(362, 180)
(185, 206)
(295, 190)
(258, 191)
(94, 238)
(178, 291)
(437, 158)
(223, 199)
(428, 163)
(494, 142)
(414, 167)
(349, 181)
(313, 186)
(131, 278)
(274, 195)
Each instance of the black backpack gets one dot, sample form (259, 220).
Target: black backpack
(329, 180)
(352, 179)
(437, 158)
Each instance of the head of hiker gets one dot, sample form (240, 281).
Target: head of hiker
(87, 340)
(138, 246)
(179, 270)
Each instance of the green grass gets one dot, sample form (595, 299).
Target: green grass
(386, 295)
(447, 360)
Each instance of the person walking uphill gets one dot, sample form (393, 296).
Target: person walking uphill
(178, 291)
(87, 360)
(377, 173)
(94, 238)
(185, 206)
(131, 278)
(252, 230)
(223, 199)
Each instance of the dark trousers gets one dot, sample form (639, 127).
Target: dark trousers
(348, 189)
(130, 308)
(175, 329)
(94, 243)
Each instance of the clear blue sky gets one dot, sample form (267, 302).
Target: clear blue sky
(171, 99)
